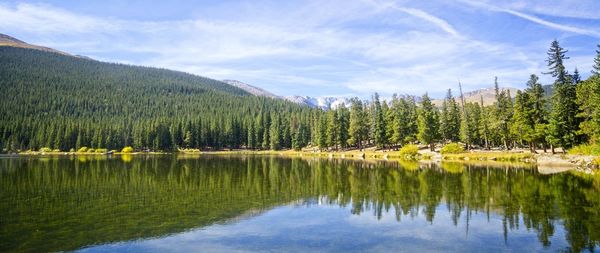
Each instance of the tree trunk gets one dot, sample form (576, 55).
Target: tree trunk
(552, 149)
(533, 148)
(544, 147)
(487, 145)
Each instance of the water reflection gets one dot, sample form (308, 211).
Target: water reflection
(56, 204)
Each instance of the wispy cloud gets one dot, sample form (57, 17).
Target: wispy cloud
(438, 22)
(535, 19)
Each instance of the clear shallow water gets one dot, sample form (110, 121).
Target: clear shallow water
(224, 204)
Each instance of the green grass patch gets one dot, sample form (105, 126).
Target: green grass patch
(452, 148)
(409, 151)
(490, 156)
(585, 149)
(45, 150)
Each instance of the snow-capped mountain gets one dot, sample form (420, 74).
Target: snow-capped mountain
(250, 89)
(315, 102)
(319, 102)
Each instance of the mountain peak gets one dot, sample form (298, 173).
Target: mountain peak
(5, 39)
(9, 41)
(487, 94)
(324, 103)
(256, 91)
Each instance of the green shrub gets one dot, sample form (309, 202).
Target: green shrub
(101, 150)
(452, 148)
(585, 149)
(56, 150)
(45, 149)
(82, 150)
(91, 150)
(127, 149)
(72, 150)
(409, 151)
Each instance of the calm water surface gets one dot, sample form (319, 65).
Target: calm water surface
(224, 204)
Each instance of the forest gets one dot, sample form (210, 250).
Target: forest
(58, 102)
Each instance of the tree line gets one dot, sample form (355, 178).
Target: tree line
(64, 103)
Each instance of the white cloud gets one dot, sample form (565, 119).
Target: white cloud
(580, 9)
(535, 19)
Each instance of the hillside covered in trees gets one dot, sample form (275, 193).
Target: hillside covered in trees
(64, 102)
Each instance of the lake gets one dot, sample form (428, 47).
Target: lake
(268, 203)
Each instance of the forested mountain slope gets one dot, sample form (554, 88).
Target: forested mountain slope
(63, 102)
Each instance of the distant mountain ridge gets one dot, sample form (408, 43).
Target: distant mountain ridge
(6, 40)
(488, 95)
(324, 103)
(251, 89)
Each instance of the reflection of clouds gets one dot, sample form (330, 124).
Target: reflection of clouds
(331, 228)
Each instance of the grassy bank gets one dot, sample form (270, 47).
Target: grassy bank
(491, 156)
(370, 154)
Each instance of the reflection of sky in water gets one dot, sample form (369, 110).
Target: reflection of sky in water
(330, 228)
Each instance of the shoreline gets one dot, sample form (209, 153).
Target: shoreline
(550, 162)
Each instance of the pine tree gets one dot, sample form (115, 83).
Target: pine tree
(343, 125)
(538, 111)
(379, 123)
(523, 125)
(251, 136)
(450, 119)
(556, 56)
(576, 78)
(322, 133)
(588, 99)
(503, 113)
(332, 131)
(187, 139)
(484, 128)
(470, 132)
(596, 67)
(275, 132)
(358, 129)
(267, 126)
(563, 125)
(428, 123)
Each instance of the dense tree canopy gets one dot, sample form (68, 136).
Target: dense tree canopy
(66, 103)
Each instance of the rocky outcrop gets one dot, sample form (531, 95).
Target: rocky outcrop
(548, 164)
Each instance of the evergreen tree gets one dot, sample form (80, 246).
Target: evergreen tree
(484, 128)
(556, 56)
(322, 133)
(588, 99)
(251, 136)
(563, 125)
(470, 132)
(343, 125)
(187, 139)
(523, 126)
(538, 110)
(428, 123)
(380, 135)
(596, 67)
(576, 78)
(450, 119)
(358, 129)
(503, 113)
(332, 131)
(275, 132)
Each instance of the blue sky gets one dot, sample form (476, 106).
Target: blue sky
(321, 48)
